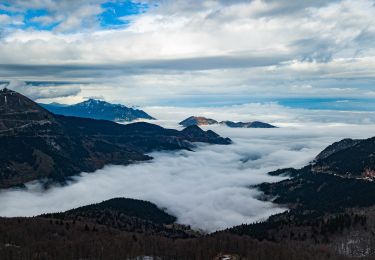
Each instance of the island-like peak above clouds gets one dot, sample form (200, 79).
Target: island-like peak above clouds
(38, 144)
(194, 120)
(99, 109)
(197, 120)
(254, 124)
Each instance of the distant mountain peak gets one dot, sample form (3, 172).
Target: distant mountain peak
(199, 120)
(95, 102)
(253, 124)
(99, 109)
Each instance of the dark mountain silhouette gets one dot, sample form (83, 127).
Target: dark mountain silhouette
(38, 144)
(348, 158)
(339, 178)
(255, 124)
(128, 215)
(132, 229)
(130, 207)
(98, 109)
(336, 147)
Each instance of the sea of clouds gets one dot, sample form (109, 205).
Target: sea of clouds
(209, 188)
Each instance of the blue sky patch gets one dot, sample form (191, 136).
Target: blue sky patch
(116, 12)
(114, 15)
(342, 104)
(33, 13)
(338, 104)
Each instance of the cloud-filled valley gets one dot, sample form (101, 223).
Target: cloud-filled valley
(208, 189)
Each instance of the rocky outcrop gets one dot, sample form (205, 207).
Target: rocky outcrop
(197, 120)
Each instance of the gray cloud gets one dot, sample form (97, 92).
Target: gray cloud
(140, 67)
(286, 7)
(310, 49)
(39, 92)
(273, 7)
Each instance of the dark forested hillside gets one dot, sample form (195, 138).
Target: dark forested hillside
(54, 240)
(102, 231)
(38, 144)
(349, 233)
(331, 201)
(130, 207)
(348, 158)
(128, 215)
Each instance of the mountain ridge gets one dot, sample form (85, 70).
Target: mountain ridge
(38, 144)
(99, 109)
(199, 120)
(331, 201)
(348, 158)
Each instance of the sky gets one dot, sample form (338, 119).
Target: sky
(314, 54)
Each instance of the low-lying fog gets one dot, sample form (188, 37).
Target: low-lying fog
(207, 189)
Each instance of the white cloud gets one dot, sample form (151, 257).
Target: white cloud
(10, 20)
(4, 18)
(174, 30)
(84, 16)
(44, 20)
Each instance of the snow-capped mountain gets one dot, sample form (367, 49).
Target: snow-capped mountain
(98, 109)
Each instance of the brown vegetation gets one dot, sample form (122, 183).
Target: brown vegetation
(41, 238)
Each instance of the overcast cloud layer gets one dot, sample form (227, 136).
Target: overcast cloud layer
(213, 51)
